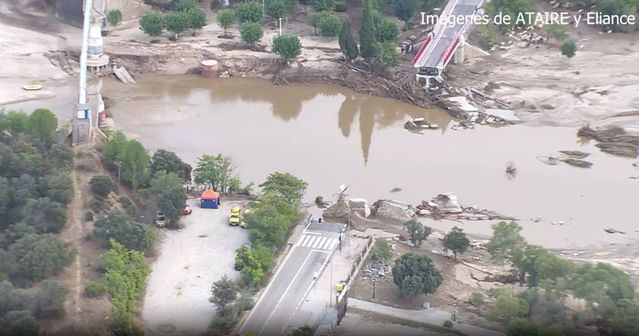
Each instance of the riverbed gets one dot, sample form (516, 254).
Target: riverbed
(330, 136)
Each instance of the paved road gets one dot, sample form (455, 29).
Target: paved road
(292, 281)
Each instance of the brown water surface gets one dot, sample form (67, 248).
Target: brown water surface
(330, 136)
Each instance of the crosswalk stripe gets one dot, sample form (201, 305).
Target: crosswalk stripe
(319, 242)
(304, 240)
(333, 242)
(326, 244)
(311, 241)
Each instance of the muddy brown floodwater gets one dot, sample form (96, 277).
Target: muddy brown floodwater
(330, 136)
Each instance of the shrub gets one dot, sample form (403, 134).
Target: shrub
(448, 324)
(330, 25)
(382, 251)
(177, 22)
(287, 46)
(125, 230)
(94, 289)
(323, 5)
(226, 18)
(251, 33)
(114, 17)
(477, 299)
(19, 323)
(389, 56)
(40, 256)
(88, 216)
(101, 186)
(276, 8)
(197, 18)
(49, 301)
(152, 23)
(416, 274)
(340, 5)
(250, 12)
(568, 48)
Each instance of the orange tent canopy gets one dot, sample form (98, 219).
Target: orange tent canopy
(209, 194)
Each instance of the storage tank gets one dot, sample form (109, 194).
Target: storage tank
(210, 68)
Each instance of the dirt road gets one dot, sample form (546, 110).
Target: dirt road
(191, 259)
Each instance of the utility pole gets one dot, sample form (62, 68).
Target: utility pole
(373, 288)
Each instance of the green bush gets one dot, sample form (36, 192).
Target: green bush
(287, 46)
(101, 186)
(94, 289)
(382, 251)
(330, 25)
(18, 323)
(340, 5)
(114, 17)
(49, 301)
(251, 33)
(95, 205)
(152, 23)
(40, 256)
(276, 8)
(226, 18)
(448, 324)
(477, 299)
(323, 5)
(568, 48)
(250, 12)
(125, 230)
(389, 56)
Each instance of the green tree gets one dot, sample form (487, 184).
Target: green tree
(169, 195)
(135, 160)
(508, 307)
(125, 275)
(285, 185)
(250, 12)
(251, 32)
(330, 25)
(276, 8)
(44, 215)
(254, 263)
(214, 170)
(114, 17)
(558, 31)
(385, 29)
(417, 232)
(197, 18)
(271, 221)
(316, 18)
(506, 242)
(405, 10)
(152, 23)
(177, 22)
(42, 123)
(163, 160)
(323, 5)
(49, 301)
(416, 274)
(223, 293)
(456, 241)
(59, 187)
(40, 256)
(184, 5)
(119, 227)
(382, 251)
(226, 18)
(347, 43)
(367, 41)
(13, 121)
(101, 186)
(18, 323)
(11, 298)
(568, 48)
(287, 46)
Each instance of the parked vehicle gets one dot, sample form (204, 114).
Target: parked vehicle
(160, 219)
(236, 218)
(187, 210)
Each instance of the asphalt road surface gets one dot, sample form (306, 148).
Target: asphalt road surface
(292, 281)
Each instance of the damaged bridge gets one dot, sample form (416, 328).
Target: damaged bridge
(446, 41)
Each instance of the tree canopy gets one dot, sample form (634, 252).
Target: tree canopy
(456, 241)
(215, 171)
(287, 46)
(285, 185)
(417, 232)
(169, 195)
(223, 293)
(123, 229)
(416, 274)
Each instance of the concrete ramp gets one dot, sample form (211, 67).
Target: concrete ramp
(123, 75)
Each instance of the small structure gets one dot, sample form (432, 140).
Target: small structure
(210, 68)
(210, 199)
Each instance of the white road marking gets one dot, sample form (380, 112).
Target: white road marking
(327, 244)
(303, 241)
(319, 242)
(284, 294)
(310, 242)
(333, 242)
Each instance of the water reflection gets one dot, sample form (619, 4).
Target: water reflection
(285, 103)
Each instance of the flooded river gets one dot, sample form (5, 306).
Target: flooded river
(330, 136)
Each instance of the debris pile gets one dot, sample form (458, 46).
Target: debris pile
(570, 157)
(523, 38)
(359, 206)
(613, 140)
(446, 206)
(376, 271)
(393, 209)
(338, 210)
(419, 124)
